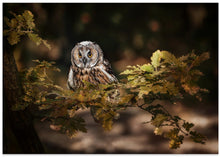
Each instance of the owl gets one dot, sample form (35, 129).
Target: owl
(89, 64)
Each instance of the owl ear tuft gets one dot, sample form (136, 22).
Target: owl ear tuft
(98, 48)
(72, 54)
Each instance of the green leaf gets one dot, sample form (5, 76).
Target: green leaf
(176, 118)
(188, 126)
(107, 124)
(147, 68)
(70, 126)
(176, 142)
(28, 16)
(21, 25)
(13, 38)
(6, 32)
(131, 77)
(125, 98)
(171, 88)
(197, 137)
(35, 38)
(158, 120)
(191, 89)
(199, 59)
(7, 21)
(168, 57)
(19, 106)
(13, 23)
(155, 59)
(19, 18)
(126, 72)
(175, 139)
(159, 89)
(46, 44)
(44, 106)
(144, 90)
(173, 133)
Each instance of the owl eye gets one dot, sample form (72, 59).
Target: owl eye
(80, 55)
(89, 54)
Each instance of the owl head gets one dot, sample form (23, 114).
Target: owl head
(86, 54)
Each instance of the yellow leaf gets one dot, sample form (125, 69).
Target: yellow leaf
(107, 125)
(191, 89)
(126, 98)
(55, 127)
(158, 131)
(35, 38)
(46, 44)
(71, 113)
(13, 23)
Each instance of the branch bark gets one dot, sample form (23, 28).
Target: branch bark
(19, 135)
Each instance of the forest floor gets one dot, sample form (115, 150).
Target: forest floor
(129, 135)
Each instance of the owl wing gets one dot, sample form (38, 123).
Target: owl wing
(70, 81)
(107, 70)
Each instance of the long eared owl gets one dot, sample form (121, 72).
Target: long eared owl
(89, 64)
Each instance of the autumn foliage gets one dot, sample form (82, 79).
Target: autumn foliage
(166, 77)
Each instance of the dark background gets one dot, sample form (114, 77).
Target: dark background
(128, 35)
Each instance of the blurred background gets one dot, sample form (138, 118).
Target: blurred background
(128, 34)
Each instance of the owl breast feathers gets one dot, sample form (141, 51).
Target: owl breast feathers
(88, 64)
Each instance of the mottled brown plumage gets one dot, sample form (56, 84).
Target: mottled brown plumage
(88, 64)
(95, 69)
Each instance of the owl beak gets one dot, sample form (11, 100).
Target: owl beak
(84, 60)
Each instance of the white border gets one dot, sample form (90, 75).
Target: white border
(97, 1)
